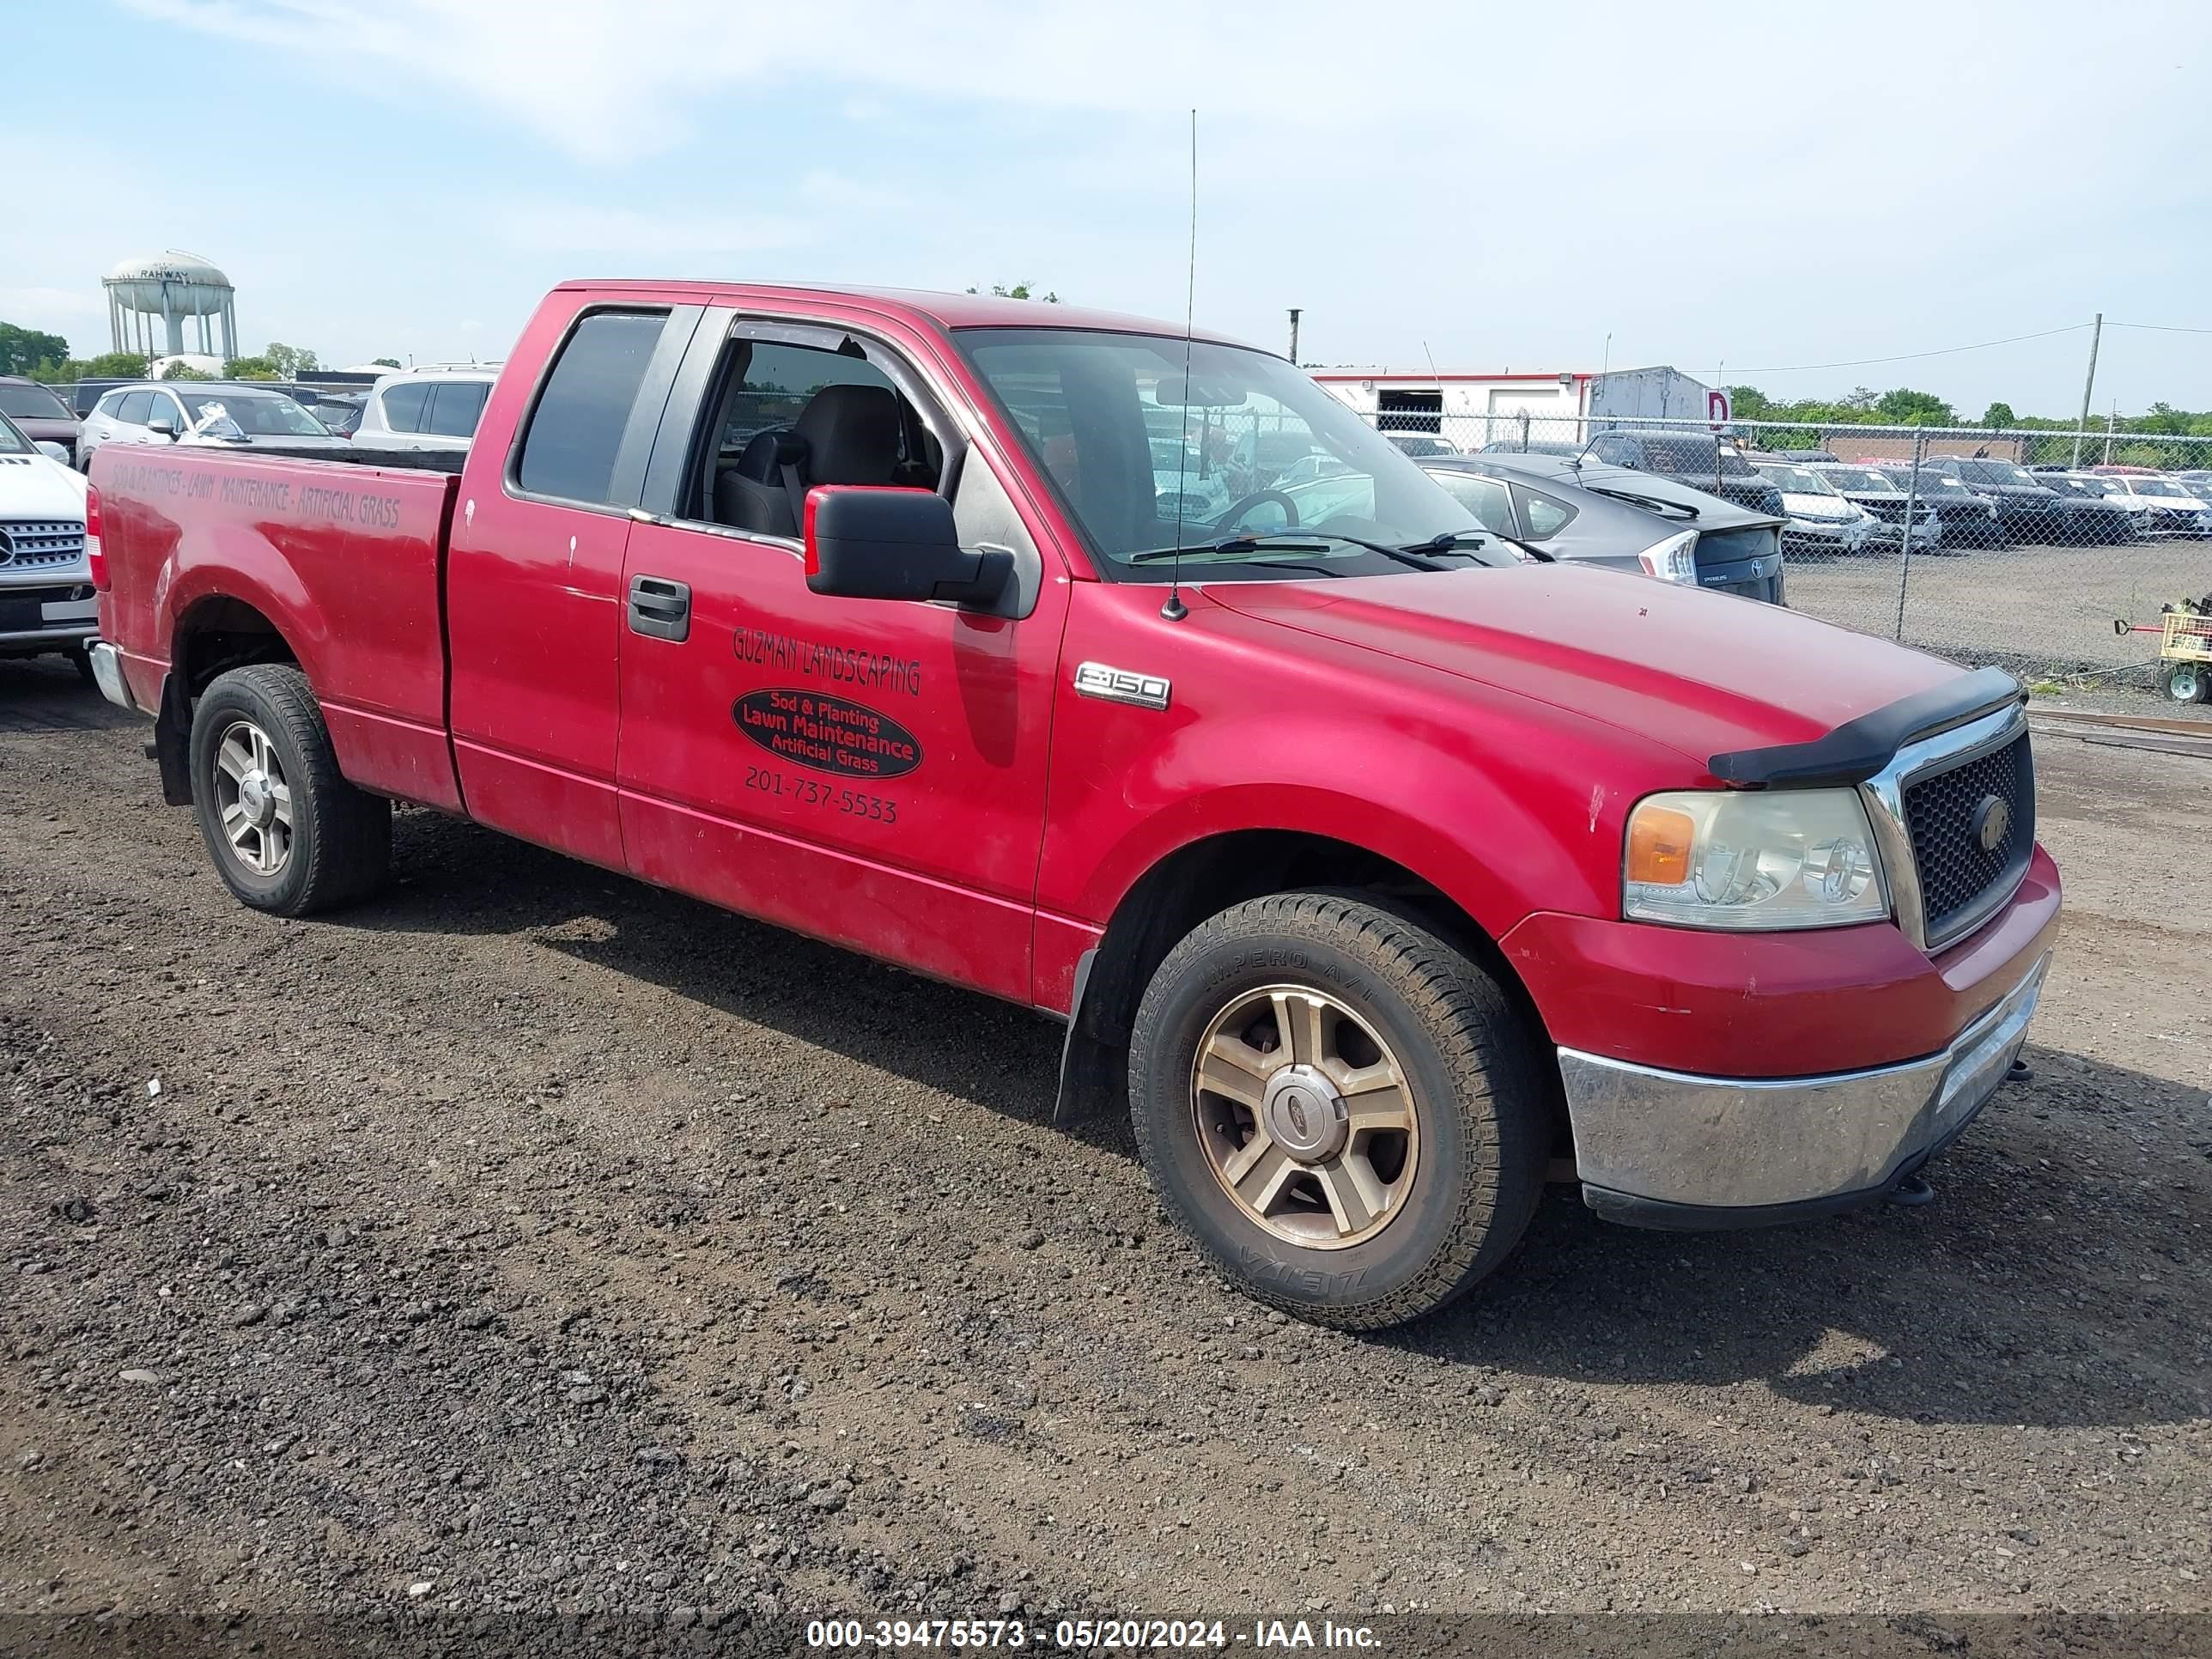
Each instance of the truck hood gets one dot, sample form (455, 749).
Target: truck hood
(1703, 673)
(35, 487)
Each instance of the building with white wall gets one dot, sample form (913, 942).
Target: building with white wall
(1469, 409)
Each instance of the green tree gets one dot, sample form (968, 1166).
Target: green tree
(116, 366)
(1999, 414)
(185, 372)
(1021, 291)
(288, 361)
(22, 350)
(1903, 406)
(387, 362)
(252, 368)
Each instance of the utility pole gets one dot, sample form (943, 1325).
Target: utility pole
(1294, 337)
(2096, 333)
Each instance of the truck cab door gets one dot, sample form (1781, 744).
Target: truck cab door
(533, 575)
(871, 772)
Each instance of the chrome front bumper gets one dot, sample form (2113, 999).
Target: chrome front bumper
(107, 674)
(1667, 1149)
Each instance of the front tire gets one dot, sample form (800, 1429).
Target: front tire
(289, 834)
(2188, 682)
(1338, 1106)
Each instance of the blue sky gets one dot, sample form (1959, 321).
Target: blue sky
(1497, 187)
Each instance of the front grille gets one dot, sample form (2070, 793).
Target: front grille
(1945, 814)
(39, 543)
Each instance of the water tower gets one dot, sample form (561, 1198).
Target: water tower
(177, 288)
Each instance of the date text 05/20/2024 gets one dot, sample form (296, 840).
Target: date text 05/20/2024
(1090, 1635)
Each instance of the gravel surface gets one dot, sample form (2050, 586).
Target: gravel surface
(2036, 609)
(532, 1239)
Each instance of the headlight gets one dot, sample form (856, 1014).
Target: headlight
(1752, 860)
(1674, 559)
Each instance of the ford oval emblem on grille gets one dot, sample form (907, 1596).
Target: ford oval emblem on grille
(1992, 820)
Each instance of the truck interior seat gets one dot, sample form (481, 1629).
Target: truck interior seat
(847, 434)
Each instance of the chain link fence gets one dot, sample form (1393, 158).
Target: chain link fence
(2020, 547)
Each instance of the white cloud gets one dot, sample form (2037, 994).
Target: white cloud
(51, 304)
(562, 227)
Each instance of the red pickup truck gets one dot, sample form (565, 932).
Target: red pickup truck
(1391, 869)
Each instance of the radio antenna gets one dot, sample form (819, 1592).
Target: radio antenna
(1174, 609)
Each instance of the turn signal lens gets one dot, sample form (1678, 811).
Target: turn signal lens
(1659, 842)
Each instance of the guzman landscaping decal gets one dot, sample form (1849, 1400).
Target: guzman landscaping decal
(827, 733)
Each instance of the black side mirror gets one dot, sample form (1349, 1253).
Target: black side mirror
(866, 543)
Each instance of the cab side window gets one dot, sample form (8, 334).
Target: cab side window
(576, 429)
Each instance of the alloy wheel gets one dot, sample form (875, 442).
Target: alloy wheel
(253, 799)
(1305, 1116)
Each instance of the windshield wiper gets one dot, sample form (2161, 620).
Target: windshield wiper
(1650, 503)
(1289, 541)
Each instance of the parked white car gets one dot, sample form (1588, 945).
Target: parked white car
(46, 601)
(2163, 506)
(1822, 521)
(174, 411)
(426, 408)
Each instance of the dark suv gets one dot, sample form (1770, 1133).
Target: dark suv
(40, 411)
(1693, 459)
(2029, 510)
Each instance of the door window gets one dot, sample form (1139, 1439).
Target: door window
(1545, 515)
(404, 404)
(455, 408)
(134, 407)
(576, 429)
(792, 414)
(1486, 498)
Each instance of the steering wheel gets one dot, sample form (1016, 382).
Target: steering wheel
(1230, 519)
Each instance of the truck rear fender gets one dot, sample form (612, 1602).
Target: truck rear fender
(214, 632)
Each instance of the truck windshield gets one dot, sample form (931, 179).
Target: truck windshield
(1244, 463)
(258, 414)
(12, 441)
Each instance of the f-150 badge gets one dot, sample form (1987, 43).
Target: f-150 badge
(1098, 679)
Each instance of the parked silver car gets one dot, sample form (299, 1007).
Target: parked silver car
(200, 412)
(425, 408)
(46, 601)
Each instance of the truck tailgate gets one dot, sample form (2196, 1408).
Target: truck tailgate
(344, 562)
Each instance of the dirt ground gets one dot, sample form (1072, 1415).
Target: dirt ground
(531, 1239)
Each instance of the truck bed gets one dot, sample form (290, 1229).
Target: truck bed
(343, 555)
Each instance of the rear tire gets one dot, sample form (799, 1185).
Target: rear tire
(289, 834)
(2188, 682)
(1368, 1225)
